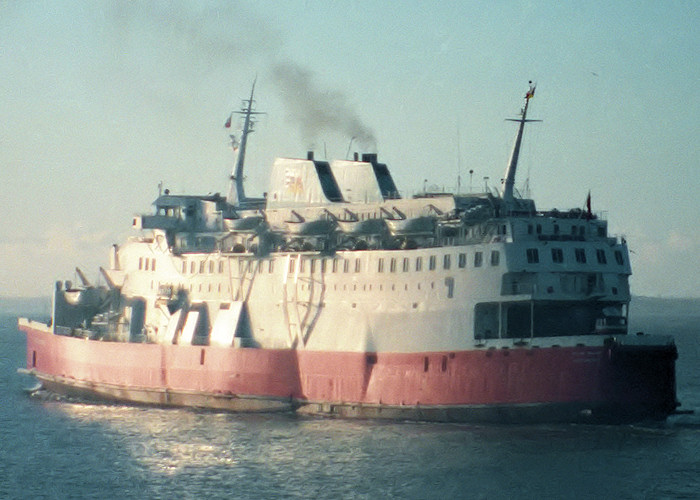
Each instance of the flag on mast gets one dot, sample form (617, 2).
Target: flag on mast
(588, 205)
(228, 121)
(531, 91)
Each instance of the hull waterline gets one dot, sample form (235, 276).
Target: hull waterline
(573, 384)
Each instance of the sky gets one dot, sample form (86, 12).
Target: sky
(100, 101)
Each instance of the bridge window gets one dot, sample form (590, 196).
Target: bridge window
(140, 263)
(557, 255)
(211, 267)
(533, 256)
(478, 259)
(580, 254)
(495, 257)
(600, 254)
(380, 266)
(184, 267)
(446, 261)
(406, 264)
(270, 268)
(419, 263)
(618, 257)
(392, 265)
(431, 263)
(357, 265)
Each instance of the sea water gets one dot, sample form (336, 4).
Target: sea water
(70, 449)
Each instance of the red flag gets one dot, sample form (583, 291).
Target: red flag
(228, 122)
(531, 92)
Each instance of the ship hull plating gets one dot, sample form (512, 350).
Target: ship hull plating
(610, 383)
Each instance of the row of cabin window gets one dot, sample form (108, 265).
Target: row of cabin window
(145, 263)
(344, 265)
(393, 265)
(533, 256)
(202, 267)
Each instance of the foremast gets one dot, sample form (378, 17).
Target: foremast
(236, 195)
(509, 182)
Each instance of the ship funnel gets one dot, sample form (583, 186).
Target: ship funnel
(369, 158)
(509, 182)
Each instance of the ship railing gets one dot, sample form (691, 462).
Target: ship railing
(574, 213)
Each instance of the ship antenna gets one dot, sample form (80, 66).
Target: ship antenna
(508, 197)
(347, 155)
(236, 192)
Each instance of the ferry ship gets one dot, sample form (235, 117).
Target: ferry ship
(334, 294)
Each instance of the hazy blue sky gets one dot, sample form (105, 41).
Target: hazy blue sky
(99, 101)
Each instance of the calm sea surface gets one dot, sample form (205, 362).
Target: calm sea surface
(58, 449)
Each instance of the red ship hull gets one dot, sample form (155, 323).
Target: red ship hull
(608, 383)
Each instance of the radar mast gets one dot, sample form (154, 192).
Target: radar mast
(509, 183)
(236, 195)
